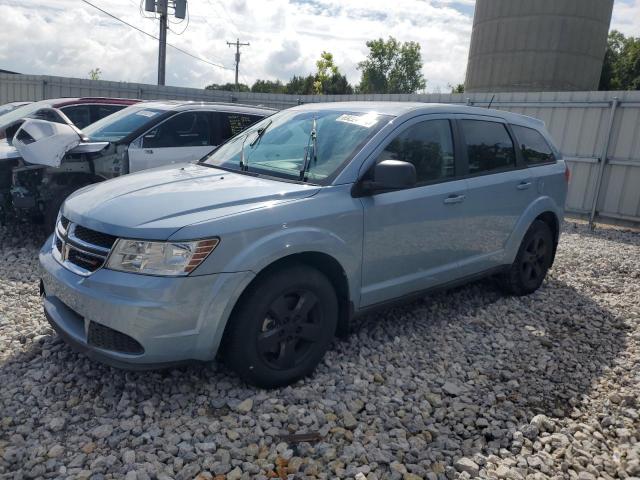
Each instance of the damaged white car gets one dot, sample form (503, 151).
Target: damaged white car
(59, 158)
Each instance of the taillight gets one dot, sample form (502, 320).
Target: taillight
(567, 174)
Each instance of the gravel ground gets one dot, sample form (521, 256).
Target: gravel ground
(461, 384)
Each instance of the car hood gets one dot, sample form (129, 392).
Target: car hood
(156, 203)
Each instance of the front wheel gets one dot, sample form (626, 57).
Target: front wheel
(532, 262)
(283, 326)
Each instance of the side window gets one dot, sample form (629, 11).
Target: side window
(535, 148)
(80, 115)
(98, 112)
(226, 125)
(188, 129)
(429, 146)
(489, 146)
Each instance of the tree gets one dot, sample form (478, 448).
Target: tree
(230, 87)
(392, 67)
(268, 86)
(621, 67)
(299, 85)
(459, 88)
(94, 74)
(326, 70)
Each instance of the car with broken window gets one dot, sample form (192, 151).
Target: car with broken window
(76, 112)
(269, 246)
(59, 159)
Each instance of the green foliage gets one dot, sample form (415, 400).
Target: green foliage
(229, 87)
(95, 74)
(299, 85)
(326, 70)
(268, 86)
(392, 67)
(327, 80)
(459, 88)
(621, 68)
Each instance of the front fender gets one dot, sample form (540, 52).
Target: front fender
(537, 208)
(291, 241)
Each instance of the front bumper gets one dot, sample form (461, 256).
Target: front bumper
(173, 320)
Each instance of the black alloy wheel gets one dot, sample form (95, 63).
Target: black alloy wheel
(290, 329)
(532, 262)
(282, 326)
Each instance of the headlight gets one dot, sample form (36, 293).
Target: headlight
(159, 258)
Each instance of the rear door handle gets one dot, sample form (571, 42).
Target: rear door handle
(454, 199)
(523, 185)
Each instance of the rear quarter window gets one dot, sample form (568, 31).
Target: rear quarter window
(489, 146)
(535, 149)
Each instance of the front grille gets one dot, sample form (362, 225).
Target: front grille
(85, 260)
(95, 238)
(81, 249)
(109, 339)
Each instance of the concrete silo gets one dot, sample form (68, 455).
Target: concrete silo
(537, 45)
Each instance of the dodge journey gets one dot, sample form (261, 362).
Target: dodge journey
(266, 248)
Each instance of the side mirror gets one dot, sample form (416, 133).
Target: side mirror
(390, 175)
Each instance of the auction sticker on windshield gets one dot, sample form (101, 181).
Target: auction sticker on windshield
(146, 113)
(367, 120)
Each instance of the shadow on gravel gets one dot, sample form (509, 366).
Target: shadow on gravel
(519, 356)
(508, 359)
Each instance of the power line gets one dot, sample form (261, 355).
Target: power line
(154, 37)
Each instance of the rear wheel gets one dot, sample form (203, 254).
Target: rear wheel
(532, 262)
(283, 327)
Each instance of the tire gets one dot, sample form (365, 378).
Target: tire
(532, 262)
(52, 207)
(282, 327)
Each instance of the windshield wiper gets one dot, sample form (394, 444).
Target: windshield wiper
(312, 144)
(243, 165)
(260, 133)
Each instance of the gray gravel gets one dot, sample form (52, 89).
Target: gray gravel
(461, 384)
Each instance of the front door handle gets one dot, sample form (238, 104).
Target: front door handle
(454, 199)
(523, 185)
(148, 151)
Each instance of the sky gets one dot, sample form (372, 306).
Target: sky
(70, 38)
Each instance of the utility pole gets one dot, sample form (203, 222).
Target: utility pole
(161, 7)
(238, 45)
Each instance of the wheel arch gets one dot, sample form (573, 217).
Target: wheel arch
(323, 262)
(552, 221)
(544, 209)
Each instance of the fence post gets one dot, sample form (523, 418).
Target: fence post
(44, 90)
(603, 162)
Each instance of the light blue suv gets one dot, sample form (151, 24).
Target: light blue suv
(269, 246)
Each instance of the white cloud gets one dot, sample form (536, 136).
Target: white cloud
(626, 17)
(69, 38)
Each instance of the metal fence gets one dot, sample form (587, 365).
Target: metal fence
(598, 132)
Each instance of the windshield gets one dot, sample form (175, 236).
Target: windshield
(120, 124)
(280, 150)
(7, 107)
(20, 112)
